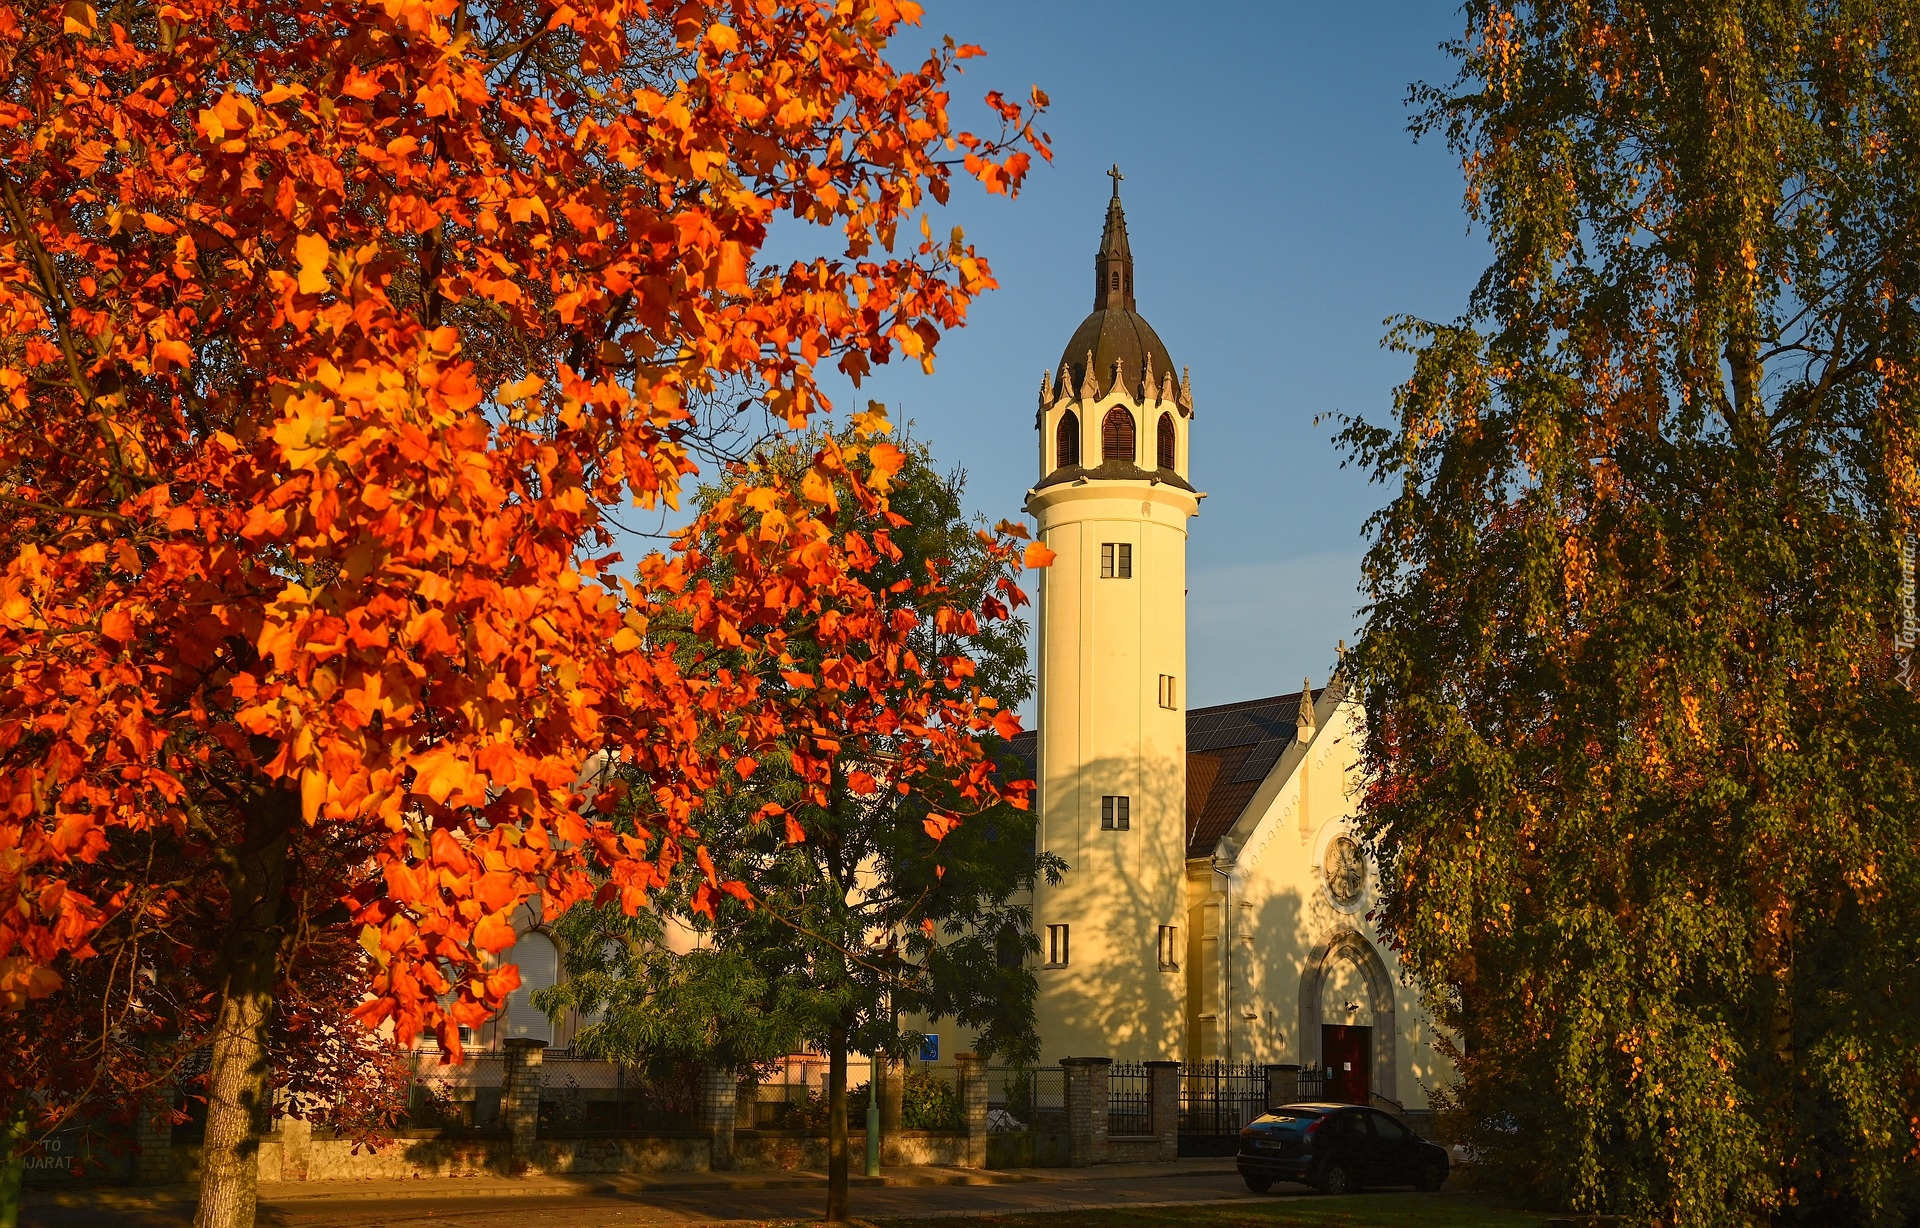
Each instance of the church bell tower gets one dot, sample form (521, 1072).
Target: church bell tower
(1112, 502)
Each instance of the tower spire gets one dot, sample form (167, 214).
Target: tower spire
(1113, 265)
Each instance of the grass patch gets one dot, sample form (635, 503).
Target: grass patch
(1364, 1211)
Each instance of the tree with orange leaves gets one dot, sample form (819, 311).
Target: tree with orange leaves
(891, 884)
(332, 334)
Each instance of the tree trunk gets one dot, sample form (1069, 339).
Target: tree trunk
(837, 1210)
(13, 1146)
(239, 1084)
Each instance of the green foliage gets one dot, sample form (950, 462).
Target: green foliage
(649, 1006)
(928, 1102)
(1643, 774)
(860, 917)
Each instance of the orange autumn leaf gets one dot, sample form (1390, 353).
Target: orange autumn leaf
(938, 825)
(311, 251)
(494, 932)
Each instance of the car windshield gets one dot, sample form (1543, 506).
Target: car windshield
(1288, 1120)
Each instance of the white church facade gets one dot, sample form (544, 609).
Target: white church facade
(1216, 905)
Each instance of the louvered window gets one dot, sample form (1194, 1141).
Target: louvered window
(1116, 437)
(1166, 441)
(1066, 440)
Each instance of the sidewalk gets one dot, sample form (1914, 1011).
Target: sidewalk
(291, 1193)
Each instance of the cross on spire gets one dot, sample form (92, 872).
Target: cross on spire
(1113, 266)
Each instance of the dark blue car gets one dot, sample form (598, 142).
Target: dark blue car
(1337, 1149)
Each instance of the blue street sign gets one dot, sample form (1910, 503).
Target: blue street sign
(930, 1047)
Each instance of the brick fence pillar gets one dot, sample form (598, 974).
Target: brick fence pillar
(715, 1109)
(972, 1089)
(1086, 1110)
(1283, 1085)
(520, 1095)
(891, 1075)
(153, 1140)
(1163, 1106)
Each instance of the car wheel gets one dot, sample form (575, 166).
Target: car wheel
(1339, 1179)
(1432, 1175)
(1258, 1185)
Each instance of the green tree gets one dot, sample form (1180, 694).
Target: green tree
(1643, 786)
(879, 894)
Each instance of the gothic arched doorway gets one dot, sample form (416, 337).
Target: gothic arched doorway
(1346, 1020)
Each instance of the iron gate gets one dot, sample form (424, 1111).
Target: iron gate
(1216, 1099)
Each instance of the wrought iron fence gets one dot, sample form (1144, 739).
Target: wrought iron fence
(1129, 1102)
(1217, 1098)
(1309, 1084)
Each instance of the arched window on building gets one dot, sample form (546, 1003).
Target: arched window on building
(539, 963)
(1166, 441)
(1116, 437)
(1066, 441)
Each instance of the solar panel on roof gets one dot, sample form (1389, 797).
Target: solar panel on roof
(1260, 760)
(1216, 730)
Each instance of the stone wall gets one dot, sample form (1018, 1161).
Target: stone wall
(429, 1153)
(1135, 1149)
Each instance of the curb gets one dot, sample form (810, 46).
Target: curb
(610, 1184)
(131, 1198)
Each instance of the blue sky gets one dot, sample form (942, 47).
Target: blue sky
(1279, 212)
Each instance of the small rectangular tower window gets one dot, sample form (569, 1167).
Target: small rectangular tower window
(1169, 948)
(1167, 698)
(1114, 813)
(1116, 560)
(1057, 950)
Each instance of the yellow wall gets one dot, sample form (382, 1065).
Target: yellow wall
(1103, 645)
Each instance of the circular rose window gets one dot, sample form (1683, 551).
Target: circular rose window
(1345, 868)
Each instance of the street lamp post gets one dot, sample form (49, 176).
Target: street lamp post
(872, 1115)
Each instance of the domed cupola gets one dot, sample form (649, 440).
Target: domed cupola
(1117, 412)
(1115, 331)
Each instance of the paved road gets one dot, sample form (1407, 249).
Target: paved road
(660, 1208)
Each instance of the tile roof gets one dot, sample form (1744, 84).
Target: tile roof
(1230, 750)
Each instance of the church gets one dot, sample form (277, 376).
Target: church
(1216, 903)
(1216, 906)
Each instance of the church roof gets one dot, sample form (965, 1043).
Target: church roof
(1230, 750)
(1115, 333)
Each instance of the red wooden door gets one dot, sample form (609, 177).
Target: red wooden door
(1346, 1055)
